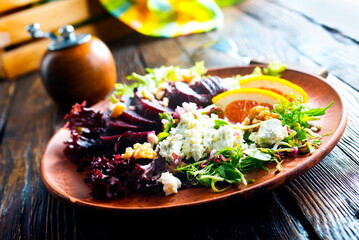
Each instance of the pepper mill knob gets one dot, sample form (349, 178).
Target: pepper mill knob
(67, 32)
(35, 32)
(75, 67)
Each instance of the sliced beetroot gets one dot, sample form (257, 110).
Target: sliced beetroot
(182, 92)
(110, 139)
(132, 117)
(117, 125)
(129, 138)
(204, 87)
(147, 108)
(219, 83)
(211, 85)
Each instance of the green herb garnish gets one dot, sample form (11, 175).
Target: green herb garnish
(227, 167)
(166, 126)
(155, 76)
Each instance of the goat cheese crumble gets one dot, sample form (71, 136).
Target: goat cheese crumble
(171, 184)
(195, 136)
(269, 133)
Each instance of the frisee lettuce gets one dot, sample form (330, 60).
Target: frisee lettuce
(155, 76)
(229, 165)
(229, 171)
(273, 69)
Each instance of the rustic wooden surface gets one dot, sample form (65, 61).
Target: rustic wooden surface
(321, 204)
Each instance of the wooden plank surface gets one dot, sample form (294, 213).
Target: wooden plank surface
(331, 50)
(7, 5)
(51, 16)
(27, 58)
(322, 12)
(28, 129)
(321, 204)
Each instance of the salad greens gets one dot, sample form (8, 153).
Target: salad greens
(296, 115)
(227, 167)
(168, 122)
(113, 174)
(273, 69)
(155, 76)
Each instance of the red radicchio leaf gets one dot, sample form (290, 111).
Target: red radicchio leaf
(116, 177)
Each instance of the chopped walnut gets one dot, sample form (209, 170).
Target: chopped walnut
(128, 153)
(164, 102)
(160, 91)
(148, 95)
(117, 109)
(140, 151)
(159, 94)
(258, 114)
(131, 107)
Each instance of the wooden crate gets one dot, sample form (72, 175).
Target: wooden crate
(19, 54)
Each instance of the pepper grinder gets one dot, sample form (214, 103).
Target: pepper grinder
(75, 67)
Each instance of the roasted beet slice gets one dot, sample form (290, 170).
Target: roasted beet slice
(219, 83)
(204, 87)
(132, 117)
(129, 138)
(117, 125)
(182, 92)
(147, 108)
(110, 139)
(211, 85)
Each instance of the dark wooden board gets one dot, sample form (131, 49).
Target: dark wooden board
(330, 49)
(322, 204)
(28, 129)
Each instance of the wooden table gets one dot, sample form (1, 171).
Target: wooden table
(321, 204)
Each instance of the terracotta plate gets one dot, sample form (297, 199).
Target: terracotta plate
(65, 183)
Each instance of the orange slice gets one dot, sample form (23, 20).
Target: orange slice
(275, 84)
(237, 103)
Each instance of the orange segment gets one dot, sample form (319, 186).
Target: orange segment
(275, 84)
(237, 111)
(237, 103)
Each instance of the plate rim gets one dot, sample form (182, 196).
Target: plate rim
(279, 180)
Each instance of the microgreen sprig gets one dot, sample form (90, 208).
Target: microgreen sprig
(228, 166)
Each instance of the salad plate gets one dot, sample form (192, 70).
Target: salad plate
(65, 183)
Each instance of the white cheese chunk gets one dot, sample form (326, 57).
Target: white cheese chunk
(195, 136)
(170, 183)
(270, 132)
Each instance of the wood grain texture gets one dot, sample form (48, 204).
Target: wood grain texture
(6, 94)
(330, 201)
(6, 5)
(322, 204)
(328, 194)
(230, 220)
(331, 50)
(22, 59)
(27, 58)
(29, 127)
(127, 57)
(164, 51)
(51, 16)
(322, 12)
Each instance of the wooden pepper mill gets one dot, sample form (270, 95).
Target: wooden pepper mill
(75, 67)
